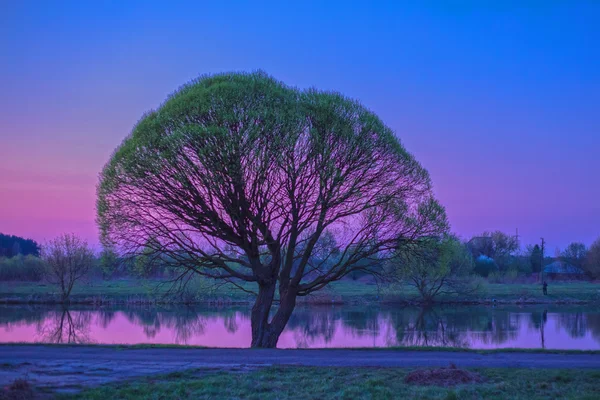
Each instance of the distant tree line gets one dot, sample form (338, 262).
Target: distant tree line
(11, 246)
(436, 266)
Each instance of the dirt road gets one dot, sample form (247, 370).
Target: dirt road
(70, 367)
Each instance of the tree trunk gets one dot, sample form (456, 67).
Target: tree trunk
(265, 334)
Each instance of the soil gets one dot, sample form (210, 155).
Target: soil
(445, 377)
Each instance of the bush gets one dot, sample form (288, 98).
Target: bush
(21, 268)
(510, 276)
(485, 266)
(520, 264)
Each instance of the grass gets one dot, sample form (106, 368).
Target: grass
(351, 292)
(351, 383)
(144, 346)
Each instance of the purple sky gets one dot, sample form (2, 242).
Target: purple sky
(499, 102)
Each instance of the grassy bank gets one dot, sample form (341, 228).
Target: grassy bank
(353, 383)
(391, 348)
(131, 291)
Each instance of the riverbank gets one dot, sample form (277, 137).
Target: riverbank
(442, 349)
(115, 372)
(148, 292)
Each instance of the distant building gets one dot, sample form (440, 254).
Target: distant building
(560, 270)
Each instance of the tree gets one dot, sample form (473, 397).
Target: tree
(109, 262)
(484, 266)
(11, 246)
(575, 254)
(591, 264)
(241, 161)
(497, 245)
(69, 259)
(437, 266)
(148, 263)
(535, 258)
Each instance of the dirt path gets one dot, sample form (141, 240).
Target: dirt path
(70, 367)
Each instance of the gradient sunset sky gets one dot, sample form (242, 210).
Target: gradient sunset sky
(500, 102)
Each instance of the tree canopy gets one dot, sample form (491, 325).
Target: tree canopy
(437, 266)
(238, 177)
(575, 254)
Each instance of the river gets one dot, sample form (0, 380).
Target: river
(552, 327)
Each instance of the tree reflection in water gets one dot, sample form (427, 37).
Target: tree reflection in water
(574, 323)
(309, 326)
(316, 326)
(428, 327)
(65, 326)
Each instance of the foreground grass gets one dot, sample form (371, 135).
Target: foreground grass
(351, 383)
(149, 291)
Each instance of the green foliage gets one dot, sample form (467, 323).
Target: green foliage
(109, 262)
(592, 261)
(484, 266)
(575, 254)
(520, 264)
(21, 268)
(436, 266)
(535, 258)
(149, 263)
(242, 164)
(509, 276)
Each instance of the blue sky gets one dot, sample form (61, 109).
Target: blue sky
(498, 100)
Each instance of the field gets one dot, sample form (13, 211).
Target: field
(349, 292)
(353, 383)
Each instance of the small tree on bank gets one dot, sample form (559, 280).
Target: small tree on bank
(435, 267)
(68, 259)
(238, 177)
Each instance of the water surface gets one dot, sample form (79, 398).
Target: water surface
(311, 327)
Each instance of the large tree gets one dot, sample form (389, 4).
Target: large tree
(237, 177)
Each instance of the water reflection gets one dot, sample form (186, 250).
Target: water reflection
(65, 327)
(468, 327)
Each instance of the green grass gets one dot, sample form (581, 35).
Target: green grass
(393, 348)
(132, 290)
(350, 383)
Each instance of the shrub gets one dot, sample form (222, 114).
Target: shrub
(510, 276)
(485, 266)
(21, 268)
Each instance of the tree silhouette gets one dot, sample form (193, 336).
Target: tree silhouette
(237, 177)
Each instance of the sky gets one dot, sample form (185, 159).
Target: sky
(499, 100)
